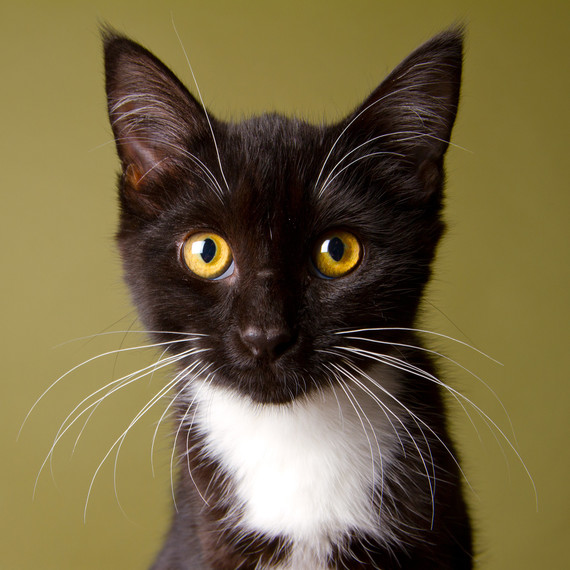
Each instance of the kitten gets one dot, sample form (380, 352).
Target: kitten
(284, 263)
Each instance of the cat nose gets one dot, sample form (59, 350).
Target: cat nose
(270, 343)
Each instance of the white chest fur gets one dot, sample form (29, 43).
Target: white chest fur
(305, 471)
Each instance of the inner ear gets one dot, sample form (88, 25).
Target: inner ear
(413, 110)
(153, 116)
(142, 161)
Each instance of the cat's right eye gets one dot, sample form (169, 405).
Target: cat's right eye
(208, 255)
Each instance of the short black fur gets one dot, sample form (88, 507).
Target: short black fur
(271, 187)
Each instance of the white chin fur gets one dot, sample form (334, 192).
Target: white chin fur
(305, 471)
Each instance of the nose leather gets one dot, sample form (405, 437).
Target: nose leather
(270, 343)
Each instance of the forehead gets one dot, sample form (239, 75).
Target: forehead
(269, 170)
(271, 165)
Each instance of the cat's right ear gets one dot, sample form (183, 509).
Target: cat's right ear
(411, 113)
(153, 117)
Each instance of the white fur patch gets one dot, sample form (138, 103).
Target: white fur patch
(305, 471)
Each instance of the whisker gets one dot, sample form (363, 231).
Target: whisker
(187, 336)
(89, 360)
(153, 441)
(492, 425)
(409, 136)
(330, 180)
(386, 408)
(431, 478)
(202, 102)
(180, 426)
(449, 359)
(210, 177)
(166, 410)
(423, 331)
(407, 367)
(364, 110)
(119, 384)
(359, 413)
(119, 441)
(188, 371)
(417, 420)
(113, 374)
(353, 150)
(382, 405)
(126, 380)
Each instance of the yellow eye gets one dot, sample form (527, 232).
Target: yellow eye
(336, 254)
(208, 255)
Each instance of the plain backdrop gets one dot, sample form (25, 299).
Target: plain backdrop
(501, 282)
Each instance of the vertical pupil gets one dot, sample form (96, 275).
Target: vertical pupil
(336, 248)
(208, 250)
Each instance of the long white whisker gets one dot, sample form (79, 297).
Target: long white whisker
(400, 364)
(407, 367)
(166, 410)
(118, 443)
(180, 426)
(441, 355)
(397, 363)
(125, 381)
(353, 150)
(359, 413)
(409, 135)
(203, 105)
(114, 368)
(85, 362)
(163, 415)
(429, 351)
(187, 371)
(408, 411)
(359, 114)
(423, 331)
(210, 178)
(490, 423)
(431, 478)
(330, 180)
(119, 384)
(187, 336)
(121, 438)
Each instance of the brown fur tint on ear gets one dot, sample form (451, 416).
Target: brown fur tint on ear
(155, 120)
(133, 176)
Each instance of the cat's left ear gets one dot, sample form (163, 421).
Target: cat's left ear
(153, 116)
(412, 112)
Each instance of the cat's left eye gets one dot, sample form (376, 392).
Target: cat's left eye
(336, 254)
(208, 255)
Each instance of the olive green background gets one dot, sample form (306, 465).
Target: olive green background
(502, 275)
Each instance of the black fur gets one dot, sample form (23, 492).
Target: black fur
(271, 325)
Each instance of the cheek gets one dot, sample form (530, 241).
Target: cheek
(333, 304)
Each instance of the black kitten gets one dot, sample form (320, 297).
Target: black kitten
(283, 263)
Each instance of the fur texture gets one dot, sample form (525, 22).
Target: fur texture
(311, 428)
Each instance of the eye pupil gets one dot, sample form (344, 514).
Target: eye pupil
(207, 255)
(208, 250)
(336, 248)
(336, 254)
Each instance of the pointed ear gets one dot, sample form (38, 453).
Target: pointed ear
(153, 116)
(413, 110)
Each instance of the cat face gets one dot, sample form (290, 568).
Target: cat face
(266, 238)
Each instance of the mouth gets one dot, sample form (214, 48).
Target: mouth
(269, 384)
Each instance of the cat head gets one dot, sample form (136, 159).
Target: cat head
(267, 237)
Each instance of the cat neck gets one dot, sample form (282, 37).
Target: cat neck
(306, 471)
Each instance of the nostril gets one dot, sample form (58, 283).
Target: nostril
(270, 343)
